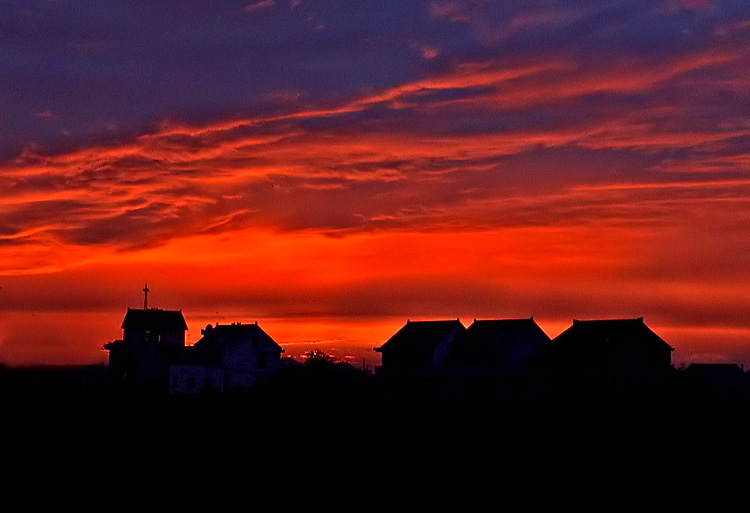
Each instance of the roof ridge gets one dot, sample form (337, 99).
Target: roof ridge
(512, 319)
(409, 321)
(619, 319)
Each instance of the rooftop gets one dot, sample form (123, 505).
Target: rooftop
(421, 335)
(609, 330)
(154, 319)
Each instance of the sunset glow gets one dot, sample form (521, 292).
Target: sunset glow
(331, 169)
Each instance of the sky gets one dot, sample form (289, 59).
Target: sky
(332, 168)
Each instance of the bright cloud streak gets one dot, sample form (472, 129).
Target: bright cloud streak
(390, 161)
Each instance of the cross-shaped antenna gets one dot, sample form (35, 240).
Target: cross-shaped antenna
(145, 296)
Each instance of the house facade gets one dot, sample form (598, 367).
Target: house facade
(153, 339)
(415, 358)
(419, 348)
(617, 354)
(229, 357)
(501, 359)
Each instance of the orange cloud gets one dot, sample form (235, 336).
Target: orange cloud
(264, 4)
(494, 189)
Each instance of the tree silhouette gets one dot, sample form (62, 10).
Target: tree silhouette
(318, 358)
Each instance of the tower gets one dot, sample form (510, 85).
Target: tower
(152, 340)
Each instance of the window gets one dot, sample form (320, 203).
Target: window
(261, 360)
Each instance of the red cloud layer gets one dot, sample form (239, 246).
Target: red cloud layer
(493, 189)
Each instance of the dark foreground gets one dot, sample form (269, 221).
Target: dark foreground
(322, 434)
(320, 450)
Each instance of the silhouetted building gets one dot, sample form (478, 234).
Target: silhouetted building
(152, 340)
(419, 347)
(500, 359)
(613, 355)
(229, 357)
(716, 381)
(414, 360)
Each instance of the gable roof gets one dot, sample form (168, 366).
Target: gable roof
(421, 336)
(501, 328)
(488, 341)
(154, 319)
(221, 336)
(597, 332)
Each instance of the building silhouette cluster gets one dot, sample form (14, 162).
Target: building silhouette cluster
(514, 359)
(508, 360)
(152, 352)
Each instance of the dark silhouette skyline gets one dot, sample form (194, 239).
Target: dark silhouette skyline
(505, 360)
(304, 176)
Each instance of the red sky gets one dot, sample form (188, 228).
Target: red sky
(332, 171)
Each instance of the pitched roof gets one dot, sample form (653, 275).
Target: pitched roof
(421, 335)
(501, 328)
(609, 331)
(492, 338)
(219, 337)
(154, 319)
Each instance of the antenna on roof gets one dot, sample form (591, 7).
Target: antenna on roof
(145, 296)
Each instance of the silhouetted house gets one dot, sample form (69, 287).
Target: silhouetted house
(716, 381)
(229, 357)
(419, 347)
(152, 340)
(612, 355)
(500, 359)
(415, 358)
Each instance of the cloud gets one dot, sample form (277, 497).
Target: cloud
(480, 144)
(408, 151)
(259, 5)
(691, 5)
